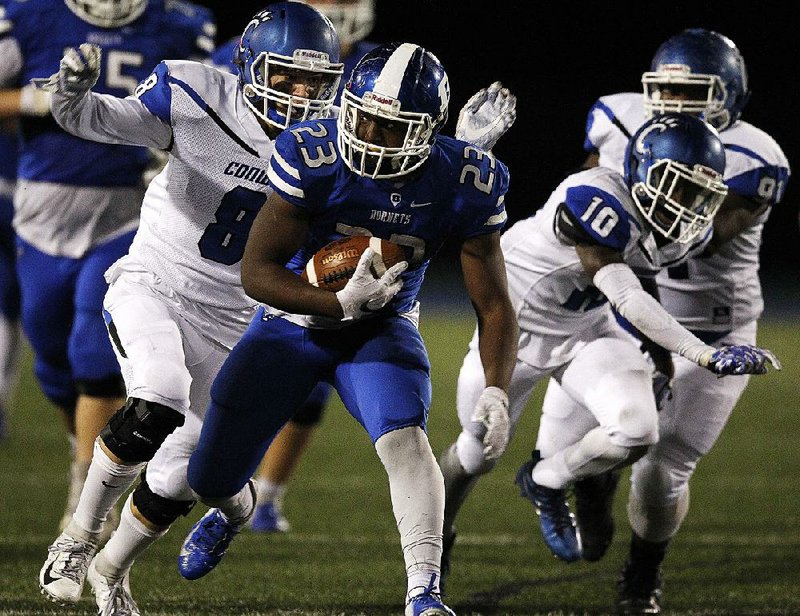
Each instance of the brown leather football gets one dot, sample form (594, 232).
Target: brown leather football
(332, 265)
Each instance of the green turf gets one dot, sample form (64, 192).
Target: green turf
(736, 554)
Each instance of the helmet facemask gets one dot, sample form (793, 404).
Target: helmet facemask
(271, 98)
(679, 201)
(107, 13)
(380, 161)
(703, 95)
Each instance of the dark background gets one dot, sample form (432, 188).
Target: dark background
(558, 58)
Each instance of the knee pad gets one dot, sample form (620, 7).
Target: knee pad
(112, 386)
(137, 430)
(157, 509)
(470, 453)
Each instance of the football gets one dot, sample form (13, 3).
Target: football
(332, 265)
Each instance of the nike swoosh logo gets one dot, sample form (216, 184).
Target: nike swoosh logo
(420, 204)
(108, 485)
(47, 578)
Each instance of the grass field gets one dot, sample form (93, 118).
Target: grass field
(738, 552)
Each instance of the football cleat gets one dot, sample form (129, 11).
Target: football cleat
(113, 597)
(206, 544)
(594, 501)
(447, 546)
(268, 518)
(427, 603)
(557, 524)
(64, 572)
(639, 590)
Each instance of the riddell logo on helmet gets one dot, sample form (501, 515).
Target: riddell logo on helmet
(379, 100)
(342, 255)
(310, 56)
(681, 69)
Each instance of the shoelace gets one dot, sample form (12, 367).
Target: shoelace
(77, 559)
(120, 602)
(554, 505)
(217, 534)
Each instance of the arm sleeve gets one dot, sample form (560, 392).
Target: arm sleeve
(620, 285)
(109, 119)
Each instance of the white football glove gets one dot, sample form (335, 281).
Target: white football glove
(364, 293)
(487, 116)
(491, 410)
(77, 73)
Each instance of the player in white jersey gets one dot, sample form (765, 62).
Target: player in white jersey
(175, 306)
(716, 295)
(598, 232)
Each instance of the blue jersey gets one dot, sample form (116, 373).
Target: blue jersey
(42, 29)
(458, 193)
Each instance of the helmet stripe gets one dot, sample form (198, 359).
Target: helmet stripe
(390, 80)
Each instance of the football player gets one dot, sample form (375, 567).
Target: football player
(76, 203)
(175, 304)
(582, 252)
(353, 20)
(716, 295)
(380, 169)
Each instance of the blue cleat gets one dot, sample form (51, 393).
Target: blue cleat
(206, 544)
(268, 518)
(427, 603)
(558, 526)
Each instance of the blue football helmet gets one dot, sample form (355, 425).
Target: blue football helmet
(400, 85)
(288, 39)
(673, 166)
(107, 13)
(704, 66)
(353, 20)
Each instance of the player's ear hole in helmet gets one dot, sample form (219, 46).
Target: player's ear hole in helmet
(288, 64)
(393, 106)
(674, 166)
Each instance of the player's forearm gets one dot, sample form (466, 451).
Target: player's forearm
(619, 284)
(109, 119)
(498, 336)
(272, 284)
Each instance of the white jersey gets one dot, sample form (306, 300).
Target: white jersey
(557, 305)
(721, 292)
(197, 212)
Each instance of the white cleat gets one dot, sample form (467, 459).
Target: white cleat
(64, 572)
(113, 596)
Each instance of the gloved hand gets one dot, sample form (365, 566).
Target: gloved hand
(487, 116)
(662, 388)
(77, 73)
(741, 359)
(364, 293)
(34, 101)
(491, 410)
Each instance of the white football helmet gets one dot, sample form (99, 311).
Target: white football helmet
(107, 13)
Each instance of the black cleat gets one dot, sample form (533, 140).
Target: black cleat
(638, 591)
(594, 502)
(447, 546)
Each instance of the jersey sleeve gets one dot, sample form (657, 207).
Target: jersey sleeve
(484, 184)
(155, 93)
(598, 217)
(765, 182)
(285, 169)
(597, 124)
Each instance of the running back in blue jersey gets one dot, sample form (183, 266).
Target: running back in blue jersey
(458, 193)
(43, 29)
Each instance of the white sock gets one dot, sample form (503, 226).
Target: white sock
(130, 539)
(105, 483)
(417, 490)
(237, 509)
(268, 491)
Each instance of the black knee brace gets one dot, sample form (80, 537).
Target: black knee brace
(157, 509)
(136, 431)
(109, 387)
